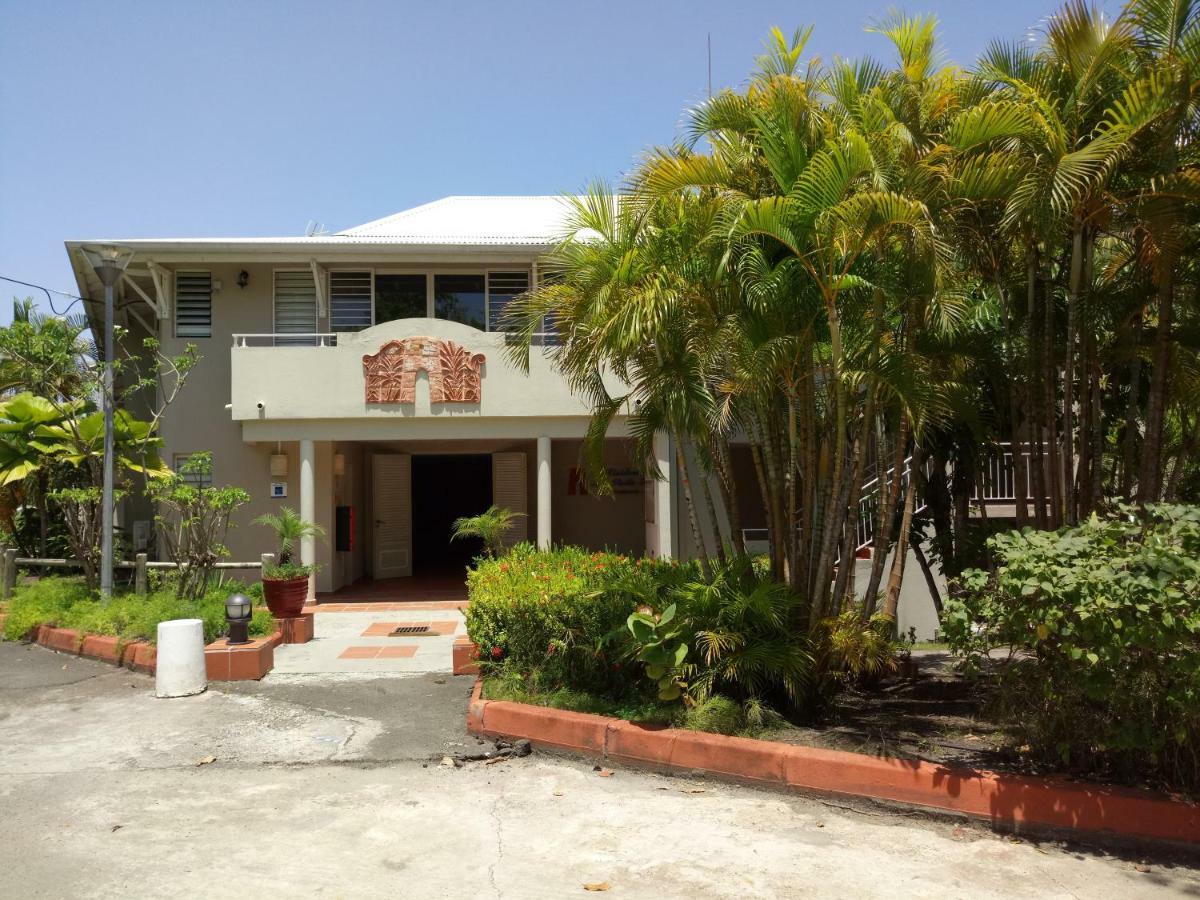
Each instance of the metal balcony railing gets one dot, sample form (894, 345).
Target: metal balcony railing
(330, 339)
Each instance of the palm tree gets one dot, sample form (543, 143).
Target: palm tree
(491, 526)
(289, 530)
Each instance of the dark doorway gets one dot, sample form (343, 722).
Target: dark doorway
(443, 489)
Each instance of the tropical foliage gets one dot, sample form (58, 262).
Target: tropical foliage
(661, 636)
(289, 531)
(491, 526)
(866, 270)
(71, 603)
(1103, 624)
(52, 432)
(193, 520)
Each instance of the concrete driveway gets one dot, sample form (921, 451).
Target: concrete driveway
(322, 786)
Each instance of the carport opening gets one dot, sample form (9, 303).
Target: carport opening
(445, 487)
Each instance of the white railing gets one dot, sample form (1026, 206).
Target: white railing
(998, 483)
(330, 339)
(323, 339)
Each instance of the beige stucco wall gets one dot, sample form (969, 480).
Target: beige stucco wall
(317, 393)
(614, 522)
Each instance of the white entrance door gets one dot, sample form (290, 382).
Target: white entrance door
(392, 495)
(509, 492)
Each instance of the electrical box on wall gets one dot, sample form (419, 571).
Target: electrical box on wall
(278, 490)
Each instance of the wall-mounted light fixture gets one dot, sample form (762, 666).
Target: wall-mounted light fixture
(243, 278)
(339, 464)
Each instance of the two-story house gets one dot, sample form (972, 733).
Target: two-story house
(359, 377)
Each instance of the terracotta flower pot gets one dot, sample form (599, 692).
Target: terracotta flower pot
(285, 596)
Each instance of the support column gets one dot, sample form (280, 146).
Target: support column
(308, 508)
(543, 492)
(661, 542)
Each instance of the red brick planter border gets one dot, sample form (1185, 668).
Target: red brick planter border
(465, 656)
(240, 662)
(1009, 801)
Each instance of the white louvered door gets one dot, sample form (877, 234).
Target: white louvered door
(509, 492)
(392, 495)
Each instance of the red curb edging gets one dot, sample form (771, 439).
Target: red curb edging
(223, 663)
(465, 656)
(1005, 800)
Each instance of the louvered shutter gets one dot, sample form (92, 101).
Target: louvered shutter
(349, 301)
(503, 287)
(509, 492)
(193, 304)
(295, 307)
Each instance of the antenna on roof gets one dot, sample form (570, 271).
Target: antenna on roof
(314, 229)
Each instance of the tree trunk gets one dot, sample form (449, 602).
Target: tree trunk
(1076, 278)
(885, 527)
(705, 562)
(1150, 476)
(891, 600)
(1132, 408)
(930, 581)
(1035, 398)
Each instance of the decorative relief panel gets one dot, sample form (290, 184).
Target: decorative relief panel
(454, 372)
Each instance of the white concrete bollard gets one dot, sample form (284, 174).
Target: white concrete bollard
(180, 668)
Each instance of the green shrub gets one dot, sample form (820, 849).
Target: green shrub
(1105, 619)
(552, 612)
(67, 603)
(44, 602)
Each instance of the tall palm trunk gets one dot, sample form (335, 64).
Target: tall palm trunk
(1150, 476)
(1020, 469)
(1035, 397)
(885, 527)
(891, 600)
(686, 481)
(1070, 509)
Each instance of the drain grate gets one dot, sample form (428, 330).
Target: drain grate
(403, 630)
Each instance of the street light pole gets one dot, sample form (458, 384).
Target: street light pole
(108, 263)
(106, 498)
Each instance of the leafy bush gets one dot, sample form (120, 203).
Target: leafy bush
(68, 603)
(1105, 621)
(553, 612)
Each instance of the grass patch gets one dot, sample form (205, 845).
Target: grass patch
(67, 603)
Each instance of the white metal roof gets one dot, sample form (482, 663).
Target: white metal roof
(471, 220)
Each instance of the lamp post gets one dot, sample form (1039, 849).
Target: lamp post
(237, 613)
(108, 262)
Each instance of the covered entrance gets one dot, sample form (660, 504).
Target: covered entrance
(415, 497)
(445, 488)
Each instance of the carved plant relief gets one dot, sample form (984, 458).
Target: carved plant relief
(454, 372)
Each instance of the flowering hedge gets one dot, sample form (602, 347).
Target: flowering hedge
(561, 612)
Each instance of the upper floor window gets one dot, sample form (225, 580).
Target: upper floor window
(400, 297)
(502, 288)
(461, 298)
(349, 301)
(193, 304)
(295, 306)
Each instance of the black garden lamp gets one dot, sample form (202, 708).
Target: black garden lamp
(237, 614)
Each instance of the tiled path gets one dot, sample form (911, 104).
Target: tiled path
(354, 639)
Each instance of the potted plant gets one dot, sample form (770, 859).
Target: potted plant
(285, 584)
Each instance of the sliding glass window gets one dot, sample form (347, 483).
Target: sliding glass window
(461, 298)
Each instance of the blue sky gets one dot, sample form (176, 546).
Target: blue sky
(254, 117)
